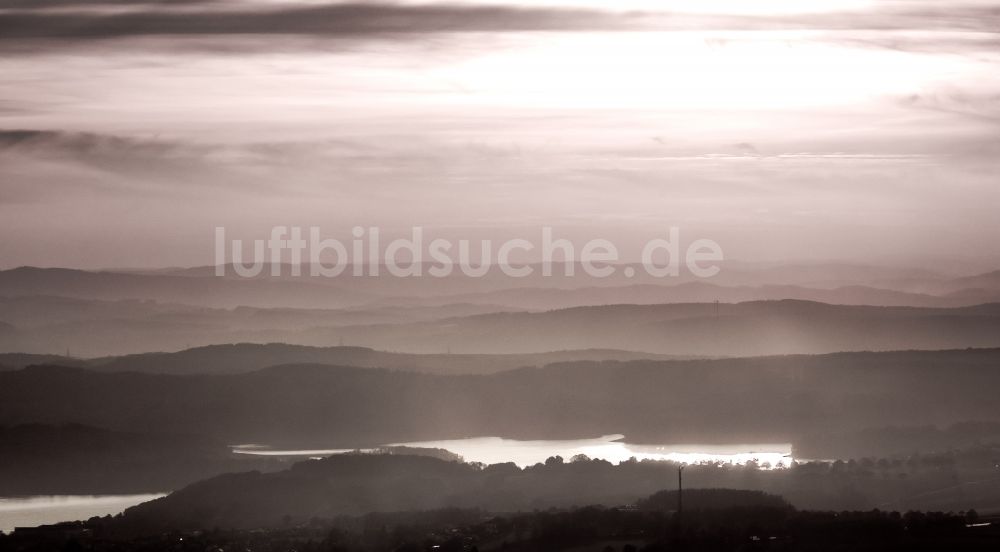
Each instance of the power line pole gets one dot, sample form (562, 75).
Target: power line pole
(715, 328)
(680, 491)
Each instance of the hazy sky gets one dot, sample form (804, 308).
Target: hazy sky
(786, 129)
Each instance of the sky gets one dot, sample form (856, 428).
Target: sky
(860, 130)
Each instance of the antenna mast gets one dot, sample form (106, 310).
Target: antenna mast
(680, 491)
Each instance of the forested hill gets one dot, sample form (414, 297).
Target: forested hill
(762, 399)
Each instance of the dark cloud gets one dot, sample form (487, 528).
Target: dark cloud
(82, 144)
(205, 18)
(339, 19)
(15, 138)
(51, 165)
(48, 4)
(94, 146)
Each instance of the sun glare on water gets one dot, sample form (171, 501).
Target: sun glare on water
(495, 450)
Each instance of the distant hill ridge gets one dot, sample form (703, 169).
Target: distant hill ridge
(96, 314)
(494, 341)
(698, 329)
(248, 357)
(200, 286)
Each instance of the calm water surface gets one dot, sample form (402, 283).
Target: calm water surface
(494, 450)
(39, 510)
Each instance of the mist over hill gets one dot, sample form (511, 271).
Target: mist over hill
(248, 357)
(86, 328)
(836, 283)
(707, 329)
(208, 291)
(94, 328)
(110, 313)
(537, 298)
(765, 399)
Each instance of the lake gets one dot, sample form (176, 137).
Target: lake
(32, 511)
(40, 510)
(495, 450)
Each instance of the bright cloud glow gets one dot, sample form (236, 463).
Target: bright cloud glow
(724, 124)
(743, 7)
(693, 70)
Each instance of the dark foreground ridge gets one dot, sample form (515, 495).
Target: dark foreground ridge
(713, 520)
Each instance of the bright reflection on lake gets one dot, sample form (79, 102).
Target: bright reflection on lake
(32, 511)
(264, 450)
(494, 450)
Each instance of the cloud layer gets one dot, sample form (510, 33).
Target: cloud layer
(133, 129)
(93, 20)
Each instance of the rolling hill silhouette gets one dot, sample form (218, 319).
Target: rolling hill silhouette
(249, 357)
(764, 399)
